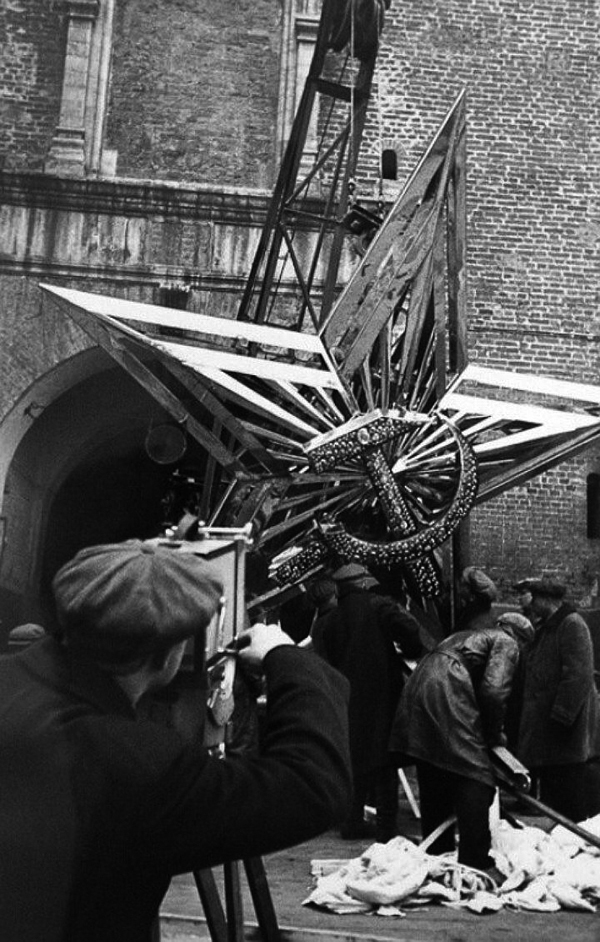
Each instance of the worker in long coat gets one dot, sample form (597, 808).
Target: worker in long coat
(559, 732)
(451, 713)
(360, 637)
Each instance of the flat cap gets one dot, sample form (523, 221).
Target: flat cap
(354, 572)
(517, 625)
(24, 635)
(522, 585)
(27, 632)
(548, 588)
(321, 589)
(135, 596)
(479, 583)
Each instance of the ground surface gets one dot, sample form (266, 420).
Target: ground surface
(290, 882)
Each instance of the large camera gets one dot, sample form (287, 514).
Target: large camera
(200, 702)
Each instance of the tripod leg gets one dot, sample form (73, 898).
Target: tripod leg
(233, 902)
(261, 897)
(211, 903)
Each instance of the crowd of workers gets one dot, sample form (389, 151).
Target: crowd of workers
(518, 679)
(101, 804)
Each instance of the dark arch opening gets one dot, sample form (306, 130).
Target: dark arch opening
(113, 498)
(82, 474)
(120, 496)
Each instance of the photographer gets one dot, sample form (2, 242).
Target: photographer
(100, 807)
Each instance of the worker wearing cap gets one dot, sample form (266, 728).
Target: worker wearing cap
(524, 598)
(100, 807)
(475, 595)
(560, 722)
(451, 713)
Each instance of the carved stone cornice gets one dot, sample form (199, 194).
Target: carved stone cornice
(135, 198)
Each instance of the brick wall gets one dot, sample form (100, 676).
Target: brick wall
(531, 72)
(194, 90)
(194, 99)
(32, 40)
(540, 529)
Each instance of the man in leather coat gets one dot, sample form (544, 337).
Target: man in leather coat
(450, 714)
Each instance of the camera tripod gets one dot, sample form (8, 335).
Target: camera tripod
(226, 922)
(196, 699)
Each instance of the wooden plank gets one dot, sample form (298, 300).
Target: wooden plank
(433, 447)
(315, 414)
(379, 297)
(456, 246)
(201, 359)
(476, 428)
(346, 320)
(269, 435)
(415, 326)
(529, 382)
(366, 382)
(425, 383)
(553, 419)
(405, 261)
(385, 355)
(429, 284)
(211, 479)
(100, 334)
(510, 446)
(201, 324)
(331, 504)
(252, 400)
(331, 408)
(439, 279)
(200, 389)
(523, 472)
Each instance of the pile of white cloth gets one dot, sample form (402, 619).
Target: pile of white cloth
(535, 870)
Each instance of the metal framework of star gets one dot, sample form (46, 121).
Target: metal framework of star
(347, 424)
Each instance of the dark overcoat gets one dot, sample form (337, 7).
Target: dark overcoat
(98, 808)
(560, 719)
(453, 706)
(359, 638)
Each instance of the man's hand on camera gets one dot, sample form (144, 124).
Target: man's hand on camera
(253, 645)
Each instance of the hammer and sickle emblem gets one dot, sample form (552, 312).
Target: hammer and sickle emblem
(363, 439)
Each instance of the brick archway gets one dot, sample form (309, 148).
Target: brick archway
(77, 437)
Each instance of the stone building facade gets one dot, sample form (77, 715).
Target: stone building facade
(139, 144)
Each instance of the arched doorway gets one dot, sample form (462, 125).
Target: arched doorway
(116, 494)
(82, 474)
